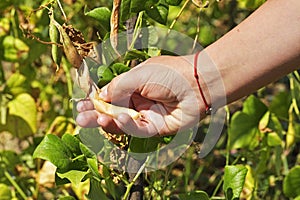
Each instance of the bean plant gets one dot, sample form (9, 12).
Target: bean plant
(42, 47)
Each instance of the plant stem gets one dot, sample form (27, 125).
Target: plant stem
(178, 15)
(15, 184)
(62, 10)
(228, 137)
(131, 184)
(68, 77)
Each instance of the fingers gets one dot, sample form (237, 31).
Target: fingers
(88, 119)
(84, 105)
(138, 128)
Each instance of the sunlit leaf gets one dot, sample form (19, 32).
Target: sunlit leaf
(22, 108)
(5, 193)
(16, 84)
(254, 108)
(119, 68)
(102, 16)
(291, 183)
(273, 139)
(243, 131)
(54, 150)
(15, 50)
(234, 179)
(74, 176)
(105, 75)
(249, 185)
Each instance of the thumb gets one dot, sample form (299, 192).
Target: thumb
(123, 86)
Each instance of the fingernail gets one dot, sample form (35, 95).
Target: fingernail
(103, 93)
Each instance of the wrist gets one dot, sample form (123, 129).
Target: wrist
(211, 91)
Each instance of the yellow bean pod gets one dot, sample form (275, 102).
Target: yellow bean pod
(113, 110)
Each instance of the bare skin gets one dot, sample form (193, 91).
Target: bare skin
(260, 50)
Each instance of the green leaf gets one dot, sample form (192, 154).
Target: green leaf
(91, 159)
(244, 126)
(67, 198)
(54, 150)
(111, 186)
(5, 193)
(243, 131)
(119, 68)
(2, 75)
(291, 183)
(72, 143)
(74, 176)
(159, 13)
(234, 178)
(15, 50)
(105, 75)
(173, 2)
(144, 145)
(280, 104)
(92, 138)
(273, 139)
(125, 10)
(297, 198)
(22, 114)
(16, 84)
(9, 159)
(194, 195)
(102, 15)
(135, 55)
(96, 191)
(88, 153)
(254, 108)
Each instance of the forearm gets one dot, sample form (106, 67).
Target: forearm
(260, 50)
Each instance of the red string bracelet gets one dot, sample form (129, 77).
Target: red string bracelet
(208, 109)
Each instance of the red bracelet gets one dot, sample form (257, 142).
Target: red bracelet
(208, 109)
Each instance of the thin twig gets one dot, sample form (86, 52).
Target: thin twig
(178, 15)
(62, 10)
(15, 184)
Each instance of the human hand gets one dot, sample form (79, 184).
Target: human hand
(163, 89)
